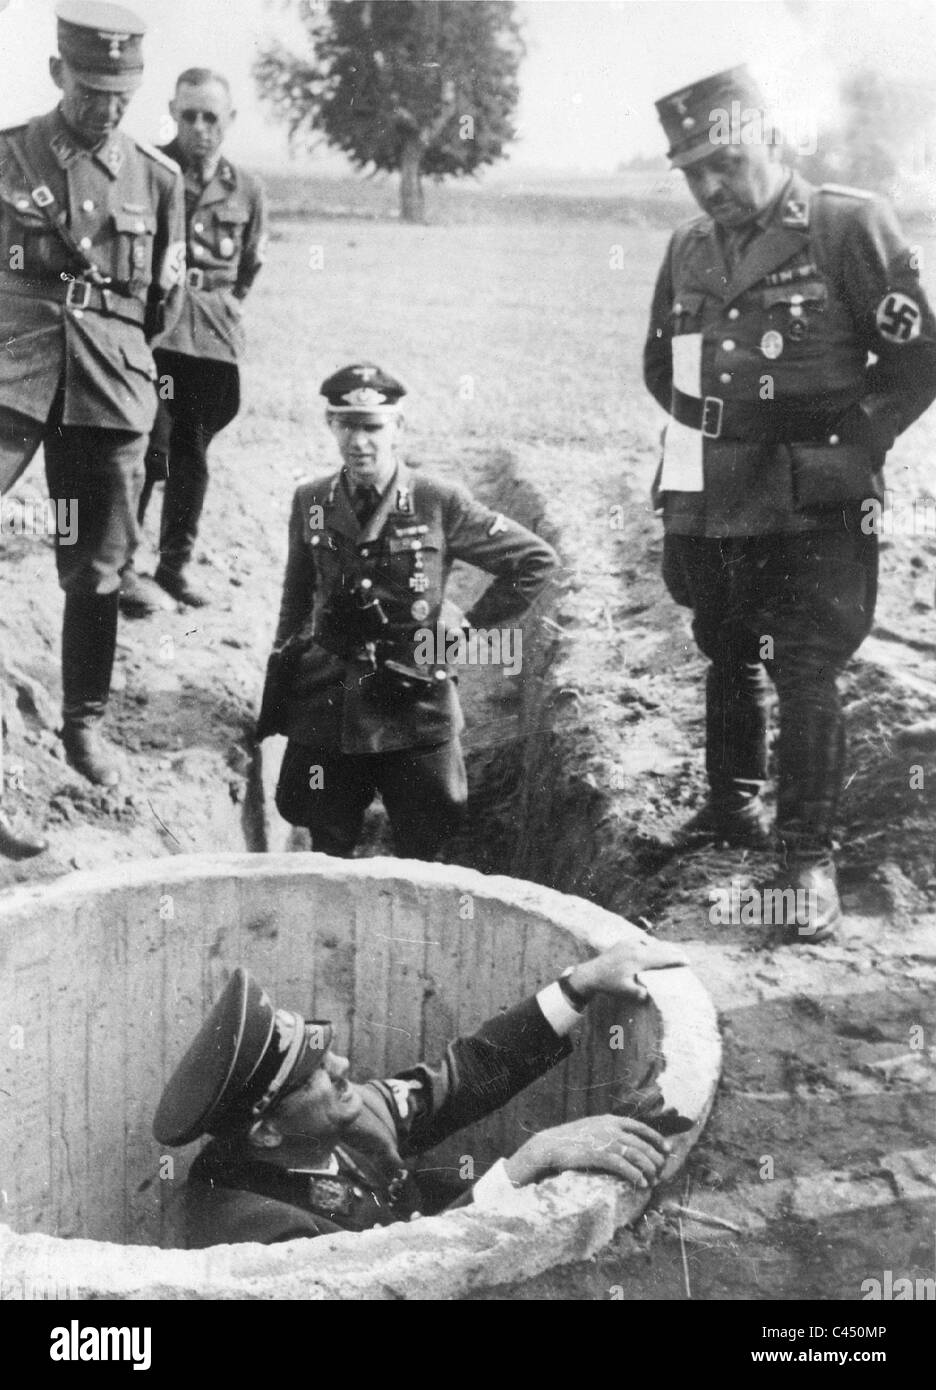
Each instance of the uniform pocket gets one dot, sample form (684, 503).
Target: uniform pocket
(25, 225)
(808, 292)
(139, 359)
(826, 474)
(135, 231)
(229, 232)
(686, 313)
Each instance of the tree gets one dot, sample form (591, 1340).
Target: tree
(424, 87)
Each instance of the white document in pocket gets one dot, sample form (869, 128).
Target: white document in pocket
(687, 364)
(682, 448)
(682, 459)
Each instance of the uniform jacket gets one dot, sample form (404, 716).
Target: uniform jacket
(226, 239)
(124, 205)
(420, 528)
(232, 1196)
(796, 421)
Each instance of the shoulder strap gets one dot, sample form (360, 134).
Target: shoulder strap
(44, 200)
(155, 153)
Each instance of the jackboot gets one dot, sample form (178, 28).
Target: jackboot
(807, 880)
(735, 760)
(812, 757)
(89, 639)
(140, 597)
(88, 753)
(180, 587)
(734, 816)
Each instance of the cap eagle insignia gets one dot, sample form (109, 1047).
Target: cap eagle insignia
(116, 42)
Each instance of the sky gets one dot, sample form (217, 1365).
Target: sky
(591, 75)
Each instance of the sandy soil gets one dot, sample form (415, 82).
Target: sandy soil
(519, 342)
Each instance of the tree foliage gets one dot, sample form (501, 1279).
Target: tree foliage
(420, 86)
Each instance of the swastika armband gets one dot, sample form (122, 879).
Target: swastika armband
(898, 318)
(172, 272)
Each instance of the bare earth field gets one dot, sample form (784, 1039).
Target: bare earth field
(521, 348)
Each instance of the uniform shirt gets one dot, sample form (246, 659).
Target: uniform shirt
(233, 1196)
(226, 240)
(798, 418)
(420, 527)
(124, 205)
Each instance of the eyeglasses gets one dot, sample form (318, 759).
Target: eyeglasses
(190, 117)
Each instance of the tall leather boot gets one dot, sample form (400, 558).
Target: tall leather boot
(89, 639)
(183, 502)
(812, 759)
(735, 760)
(139, 596)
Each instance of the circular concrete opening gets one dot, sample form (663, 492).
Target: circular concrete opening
(105, 978)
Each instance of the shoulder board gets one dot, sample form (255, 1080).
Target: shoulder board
(156, 154)
(842, 190)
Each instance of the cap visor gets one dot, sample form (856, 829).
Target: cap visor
(365, 414)
(128, 82)
(695, 154)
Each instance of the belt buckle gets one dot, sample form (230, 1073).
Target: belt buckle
(195, 278)
(43, 196)
(86, 287)
(711, 429)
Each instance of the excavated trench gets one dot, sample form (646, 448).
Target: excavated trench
(106, 975)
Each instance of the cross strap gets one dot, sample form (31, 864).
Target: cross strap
(44, 200)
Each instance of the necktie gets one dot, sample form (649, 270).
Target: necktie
(365, 503)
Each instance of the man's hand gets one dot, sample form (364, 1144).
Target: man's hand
(614, 971)
(600, 1143)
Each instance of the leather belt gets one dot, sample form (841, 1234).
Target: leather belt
(198, 278)
(764, 424)
(76, 294)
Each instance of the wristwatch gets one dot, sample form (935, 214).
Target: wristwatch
(578, 1001)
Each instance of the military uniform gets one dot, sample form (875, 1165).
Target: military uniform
(76, 373)
(226, 237)
(372, 726)
(248, 1056)
(758, 349)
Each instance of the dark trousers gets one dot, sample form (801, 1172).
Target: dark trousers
(423, 789)
(205, 398)
(94, 478)
(796, 606)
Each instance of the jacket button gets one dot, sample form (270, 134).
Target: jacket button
(85, 243)
(199, 226)
(796, 311)
(314, 540)
(733, 313)
(365, 552)
(728, 345)
(87, 205)
(725, 378)
(677, 308)
(198, 250)
(833, 439)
